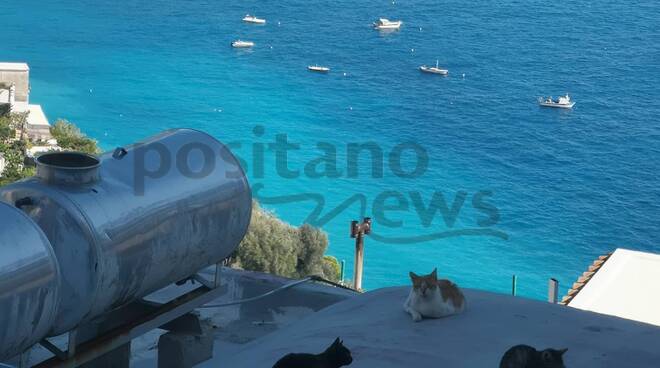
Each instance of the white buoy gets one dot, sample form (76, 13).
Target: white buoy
(420, 28)
(463, 75)
(91, 90)
(412, 50)
(345, 74)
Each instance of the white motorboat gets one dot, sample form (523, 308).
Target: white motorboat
(433, 69)
(320, 69)
(563, 102)
(252, 19)
(384, 24)
(242, 44)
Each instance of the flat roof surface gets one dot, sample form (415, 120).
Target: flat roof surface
(36, 117)
(627, 286)
(14, 67)
(381, 335)
(236, 324)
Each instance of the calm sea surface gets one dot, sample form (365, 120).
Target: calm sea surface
(535, 192)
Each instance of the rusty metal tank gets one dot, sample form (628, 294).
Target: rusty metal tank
(134, 219)
(29, 282)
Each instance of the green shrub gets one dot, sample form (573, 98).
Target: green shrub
(14, 149)
(331, 268)
(268, 246)
(276, 247)
(8, 125)
(70, 138)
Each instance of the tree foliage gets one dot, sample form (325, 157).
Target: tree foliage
(331, 268)
(8, 125)
(13, 149)
(276, 247)
(70, 138)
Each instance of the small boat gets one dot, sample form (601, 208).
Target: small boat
(320, 69)
(252, 19)
(242, 44)
(384, 24)
(434, 69)
(563, 102)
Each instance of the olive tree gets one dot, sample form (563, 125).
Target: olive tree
(273, 246)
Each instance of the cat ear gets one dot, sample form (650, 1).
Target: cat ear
(434, 274)
(562, 351)
(412, 275)
(337, 342)
(546, 356)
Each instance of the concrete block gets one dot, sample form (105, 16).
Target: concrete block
(118, 358)
(184, 350)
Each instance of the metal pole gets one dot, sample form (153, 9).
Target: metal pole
(358, 231)
(553, 291)
(73, 342)
(359, 259)
(343, 270)
(514, 285)
(218, 274)
(23, 360)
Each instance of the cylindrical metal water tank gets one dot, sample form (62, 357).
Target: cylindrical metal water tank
(135, 219)
(29, 282)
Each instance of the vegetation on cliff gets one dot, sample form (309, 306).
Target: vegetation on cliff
(13, 148)
(70, 138)
(276, 247)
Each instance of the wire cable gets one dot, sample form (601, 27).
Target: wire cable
(277, 290)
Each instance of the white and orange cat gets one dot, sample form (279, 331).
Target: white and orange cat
(433, 298)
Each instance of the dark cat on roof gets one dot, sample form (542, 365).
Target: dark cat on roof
(524, 356)
(335, 356)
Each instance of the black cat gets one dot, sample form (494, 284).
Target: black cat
(524, 356)
(335, 356)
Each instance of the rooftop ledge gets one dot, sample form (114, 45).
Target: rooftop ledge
(14, 67)
(380, 334)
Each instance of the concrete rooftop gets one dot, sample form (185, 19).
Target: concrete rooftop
(381, 335)
(14, 67)
(627, 285)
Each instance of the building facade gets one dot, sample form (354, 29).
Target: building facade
(15, 97)
(17, 74)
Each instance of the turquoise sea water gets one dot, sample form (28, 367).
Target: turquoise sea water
(567, 185)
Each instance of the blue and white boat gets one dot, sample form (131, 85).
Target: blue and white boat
(563, 102)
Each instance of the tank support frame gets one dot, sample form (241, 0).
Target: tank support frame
(92, 341)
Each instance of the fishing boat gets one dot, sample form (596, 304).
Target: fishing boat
(319, 69)
(253, 19)
(433, 69)
(385, 24)
(563, 102)
(242, 44)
